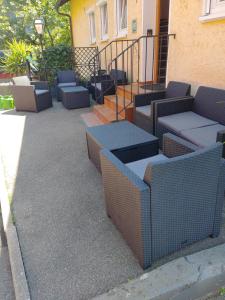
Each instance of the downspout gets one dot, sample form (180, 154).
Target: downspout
(70, 20)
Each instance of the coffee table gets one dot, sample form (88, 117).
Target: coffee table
(127, 142)
(75, 97)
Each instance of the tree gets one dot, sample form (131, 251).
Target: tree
(17, 21)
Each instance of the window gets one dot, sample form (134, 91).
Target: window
(213, 9)
(91, 16)
(121, 17)
(104, 18)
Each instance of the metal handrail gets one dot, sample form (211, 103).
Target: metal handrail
(126, 51)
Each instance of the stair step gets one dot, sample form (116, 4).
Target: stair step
(90, 119)
(105, 114)
(110, 101)
(126, 91)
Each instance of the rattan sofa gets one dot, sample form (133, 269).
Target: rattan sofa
(199, 119)
(168, 202)
(33, 96)
(144, 103)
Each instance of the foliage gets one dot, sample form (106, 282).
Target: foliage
(222, 291)
(59, 57)
(17, 21)
(14, 60)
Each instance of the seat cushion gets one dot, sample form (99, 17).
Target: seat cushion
(146, 110)
(98, 85)
(41, 92)
(184, 121)
(139, 166)
(67, 84)
(204, 136)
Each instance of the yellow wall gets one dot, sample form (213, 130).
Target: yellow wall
(197, 55)
(80, 21)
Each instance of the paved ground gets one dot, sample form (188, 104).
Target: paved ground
(69, 247)
(6, 285)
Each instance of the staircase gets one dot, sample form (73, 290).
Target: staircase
(163, 51)
(106, 113)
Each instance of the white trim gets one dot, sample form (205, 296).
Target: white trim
(90, 10)
(92, 26)
(120, 32)
(101, 2)
(213, 10)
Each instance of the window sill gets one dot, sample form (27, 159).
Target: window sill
(121, 35)
(212, 17)
(104, 39)
(93, 43)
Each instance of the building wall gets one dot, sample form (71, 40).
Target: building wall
(197, 54)
(80, 21)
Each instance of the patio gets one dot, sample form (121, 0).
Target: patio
(70, 248)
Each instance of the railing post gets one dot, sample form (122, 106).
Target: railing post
(117, 108)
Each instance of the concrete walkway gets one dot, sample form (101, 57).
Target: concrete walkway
(6, 284)
(69, 247)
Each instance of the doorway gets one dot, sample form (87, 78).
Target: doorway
(162, 23)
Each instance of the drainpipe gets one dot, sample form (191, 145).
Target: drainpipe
(70, 20)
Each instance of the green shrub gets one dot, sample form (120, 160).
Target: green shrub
(14, 61)
(6, 102)
(55, 58)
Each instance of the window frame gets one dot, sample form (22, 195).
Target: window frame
(104, 19)
(213, 10)
(121, 32)
(92, 25)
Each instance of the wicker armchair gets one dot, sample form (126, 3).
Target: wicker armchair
(65, 79)
(165, 203)
(33, 96)
(102, 85)
(144, 103)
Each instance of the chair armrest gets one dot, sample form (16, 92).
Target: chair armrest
(146, 99)
(127, 200)
(40, 85)
(221, 138)
(175, 146)
(172, 106)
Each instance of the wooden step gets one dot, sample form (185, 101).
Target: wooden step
(105, 114)
(127, 91)
(110, 102)
(90, 119)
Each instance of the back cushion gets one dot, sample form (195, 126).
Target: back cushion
(21, 80)
(177, 89)
(210, 103)
(118, 74)
(66, 76)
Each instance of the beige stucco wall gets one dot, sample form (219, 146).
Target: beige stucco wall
(197, 55)
(80, 21)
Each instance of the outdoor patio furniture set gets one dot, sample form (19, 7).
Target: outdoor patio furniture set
(164, 189)
(35, 96)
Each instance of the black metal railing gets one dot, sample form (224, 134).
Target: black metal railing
(98, 64)
(144, 62)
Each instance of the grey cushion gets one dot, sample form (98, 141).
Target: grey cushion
(184, 121)
(98, 85)
(66, 76)
(67, 84)
(41, 92)
(139, 166)
(146, 110)
(204, 136)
